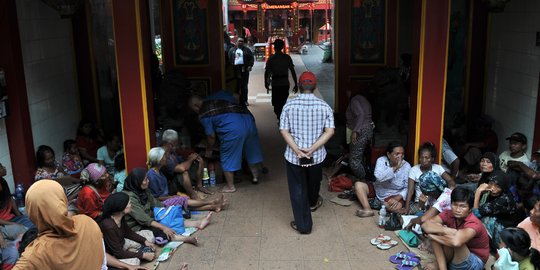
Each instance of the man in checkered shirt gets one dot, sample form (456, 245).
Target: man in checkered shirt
(306, 124)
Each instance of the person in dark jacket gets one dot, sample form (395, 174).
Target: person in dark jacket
(242, 59)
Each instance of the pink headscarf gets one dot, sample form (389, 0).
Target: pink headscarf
(93, 172)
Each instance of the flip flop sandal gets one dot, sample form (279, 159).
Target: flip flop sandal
(400, 256)
(408, 264)
(161, 241)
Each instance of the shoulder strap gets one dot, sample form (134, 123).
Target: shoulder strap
(95, 191)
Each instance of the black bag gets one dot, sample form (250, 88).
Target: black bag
(393, 223)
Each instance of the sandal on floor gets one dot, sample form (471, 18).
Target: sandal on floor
(408, 264)
(347, 194)
(400, 256)
(317, 205)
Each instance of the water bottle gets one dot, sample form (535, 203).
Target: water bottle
(205, 177)
(19, 195)
(212, 174)
(382, 217)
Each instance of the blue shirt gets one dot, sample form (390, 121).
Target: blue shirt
(306, 117)
(158, 184)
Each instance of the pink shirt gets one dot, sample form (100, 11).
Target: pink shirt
(533, 231)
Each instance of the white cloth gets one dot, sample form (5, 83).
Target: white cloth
(239, 57)
(448, 155)
(444, 203)
(505, 157)
(415, 173)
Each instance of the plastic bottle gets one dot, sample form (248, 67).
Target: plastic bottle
(212, 174)
(205, 178)
(19, 195)
(382, 217)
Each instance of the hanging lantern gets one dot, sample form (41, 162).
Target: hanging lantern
(66, 8)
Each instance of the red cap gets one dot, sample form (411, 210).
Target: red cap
(307, 78)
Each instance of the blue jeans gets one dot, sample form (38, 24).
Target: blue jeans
(472, 263)
(23, 220)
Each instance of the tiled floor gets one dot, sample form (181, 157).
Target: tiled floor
(253, 232)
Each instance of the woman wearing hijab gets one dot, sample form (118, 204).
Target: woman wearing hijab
(142, 212)
(499, 209)
(435, 194)
(115, 230)
(63, 242)
(91, 197)
(488, 164)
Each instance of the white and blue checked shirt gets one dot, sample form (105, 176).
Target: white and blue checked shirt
(306, 117)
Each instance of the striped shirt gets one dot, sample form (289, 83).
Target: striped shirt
(306, 117)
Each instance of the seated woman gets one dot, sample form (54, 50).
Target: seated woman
(426, 156)
(435, 195)
(115, 230)
(142, 213)
(95, 192)
(489, 163)
(517, 245)
(499, 209)
(49, 168)
(9, 240)
(9, 211)
(71, 160)
(532, 226)
(63, 242)
(390, 186)
(107, 153)
(119, 172)
(157, 158)
(88, 140)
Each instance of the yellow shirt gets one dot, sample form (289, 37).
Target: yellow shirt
(526, 264)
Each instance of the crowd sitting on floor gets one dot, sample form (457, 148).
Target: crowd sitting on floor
(489, 204)
(89, 203)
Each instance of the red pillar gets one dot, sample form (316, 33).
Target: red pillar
(132, 43)
(18, 125)
(428, 87)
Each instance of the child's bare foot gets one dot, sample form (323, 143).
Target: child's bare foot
(184, 266)
(205, 221)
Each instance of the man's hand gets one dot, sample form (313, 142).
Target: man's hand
(413, 222)
(249, 68)
(149, 256)
(193, 156)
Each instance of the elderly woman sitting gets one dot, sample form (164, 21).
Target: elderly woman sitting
(159, 186)
(95, 192)
(390, 187)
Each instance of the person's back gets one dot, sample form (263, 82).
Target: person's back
(63, 242)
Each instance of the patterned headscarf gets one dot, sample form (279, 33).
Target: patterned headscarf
(430, 182)
(93, 172)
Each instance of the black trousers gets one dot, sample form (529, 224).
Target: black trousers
(242, 76)
(304, 187)
(280, 94)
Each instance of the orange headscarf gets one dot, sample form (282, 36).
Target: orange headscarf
(63, 242)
